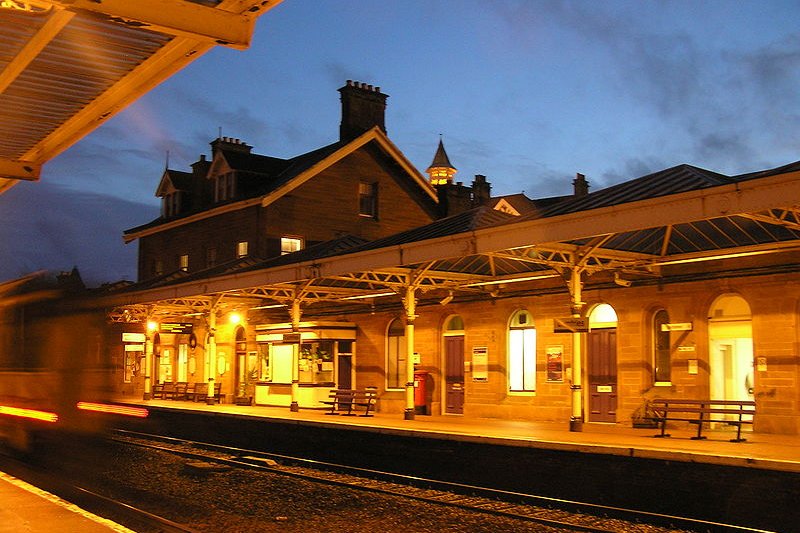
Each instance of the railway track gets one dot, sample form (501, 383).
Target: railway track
(123, 513)
(560, 514)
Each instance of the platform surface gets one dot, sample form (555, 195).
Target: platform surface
(27, 509)
(760, 450)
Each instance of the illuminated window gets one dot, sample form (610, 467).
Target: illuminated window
(291, 244)
(522, 353)
(661, 349)
(368, 199)
(183, 262)
(396, 355)
(241, 249)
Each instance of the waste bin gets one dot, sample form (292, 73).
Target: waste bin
(422, 405)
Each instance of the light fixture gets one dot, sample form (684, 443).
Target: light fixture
(271, 306)
(447, 299)
(234, 318)
(365, 296)
(620, 281)
(511, 280)
(152, 325)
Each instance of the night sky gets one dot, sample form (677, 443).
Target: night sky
(526, 92)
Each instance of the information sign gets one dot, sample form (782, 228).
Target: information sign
(176, 327)
(570, 325)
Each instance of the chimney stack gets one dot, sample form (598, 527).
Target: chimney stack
(580, 185)
(363, 107)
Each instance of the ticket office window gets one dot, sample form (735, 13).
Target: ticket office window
(315, 362)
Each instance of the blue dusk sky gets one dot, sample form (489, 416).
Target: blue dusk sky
(526, 92)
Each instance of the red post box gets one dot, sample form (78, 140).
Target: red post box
(421, 393)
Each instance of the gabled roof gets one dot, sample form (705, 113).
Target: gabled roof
(309, 165)
(291, 173)
(174, 180)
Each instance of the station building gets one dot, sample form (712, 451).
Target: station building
(346, 268)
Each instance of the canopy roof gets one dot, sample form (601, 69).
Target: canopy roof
(66, 66)
(669, 226)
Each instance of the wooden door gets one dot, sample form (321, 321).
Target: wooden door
(454, 374)
(345, 376)
(602, 374)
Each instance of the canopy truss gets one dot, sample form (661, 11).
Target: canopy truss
(66, 66)
(642, 241)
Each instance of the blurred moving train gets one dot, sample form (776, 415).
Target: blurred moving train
(56, 373)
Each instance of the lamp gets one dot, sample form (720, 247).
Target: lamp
(447, 299)
(621, 282)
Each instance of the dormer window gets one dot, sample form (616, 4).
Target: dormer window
(225, 187)
(368, 199)
(171, 204)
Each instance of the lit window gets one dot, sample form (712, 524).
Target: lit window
(396, 355)
(241, 249)
(368, 199)
(661, 360)
(522, 353)
(183, 262)
(291, 244)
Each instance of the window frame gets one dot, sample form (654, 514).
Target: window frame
(396, 355)
(242, 249)
(661, 349)
(286, 239)
(519, 369)
(368, 199)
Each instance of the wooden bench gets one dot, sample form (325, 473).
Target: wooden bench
(176, 391)
(345, 401)
(199, 392)
(731, 412)
(165, 391)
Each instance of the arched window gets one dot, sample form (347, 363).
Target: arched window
(396, 355)
(662, 367)
(521, 353)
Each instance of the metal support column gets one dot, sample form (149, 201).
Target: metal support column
(211, 354)
(148, 361)
(410, 302)
(295, 406)
(575, 289)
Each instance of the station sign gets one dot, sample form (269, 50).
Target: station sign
(176, 327)
(133, 337)
(570, 324)
(291, 338)
(677, 326)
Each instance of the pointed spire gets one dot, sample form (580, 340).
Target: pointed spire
(441, 170)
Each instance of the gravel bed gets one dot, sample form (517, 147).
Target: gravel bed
(238, 500)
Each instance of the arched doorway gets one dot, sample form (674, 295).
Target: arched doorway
(601, 358)
(730, 349)
(454, 365)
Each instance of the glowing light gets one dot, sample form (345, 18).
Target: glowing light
(28, 413)
(138, 412)
(364, 296)
(152, 326)
(22, 5)
(235, 318)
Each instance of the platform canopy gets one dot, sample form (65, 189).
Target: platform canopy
(66, 66)
(681, 224)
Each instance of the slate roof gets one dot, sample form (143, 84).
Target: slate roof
(682, 178)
